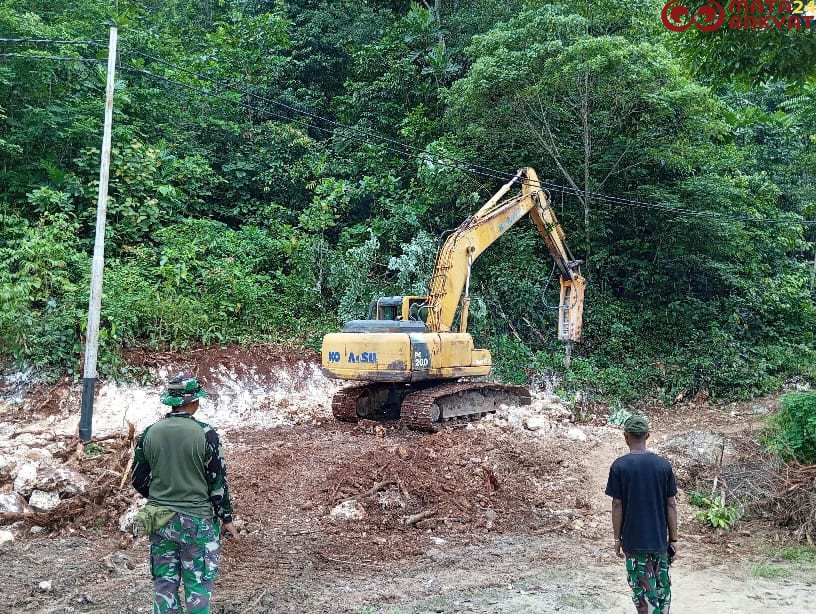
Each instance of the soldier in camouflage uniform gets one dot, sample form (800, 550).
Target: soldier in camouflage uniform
(179, 467)
(644, 518)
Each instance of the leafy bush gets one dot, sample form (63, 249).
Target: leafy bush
(44, 291)
(792, 432)
(618, 416)
(715, 512)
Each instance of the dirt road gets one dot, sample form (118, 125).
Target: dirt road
(507, 515)
(537, 541)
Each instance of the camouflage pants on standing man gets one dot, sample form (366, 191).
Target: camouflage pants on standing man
(186, 549)
(648, 576)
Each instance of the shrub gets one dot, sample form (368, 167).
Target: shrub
(792, 432)
(715, 512)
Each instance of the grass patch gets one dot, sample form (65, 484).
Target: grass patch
(798, 554)
(790, 562)
(772, 572)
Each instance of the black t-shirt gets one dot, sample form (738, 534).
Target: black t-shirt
(642, 482)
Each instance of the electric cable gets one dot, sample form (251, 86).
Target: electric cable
(487, 171)
(397, 147)
(50, 41)
(65, 58)
(468, 166)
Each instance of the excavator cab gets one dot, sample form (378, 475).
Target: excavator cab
(404, 308)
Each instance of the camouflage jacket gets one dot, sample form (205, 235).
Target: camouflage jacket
(182, 467)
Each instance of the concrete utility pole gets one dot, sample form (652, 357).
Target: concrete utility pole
(95, 301)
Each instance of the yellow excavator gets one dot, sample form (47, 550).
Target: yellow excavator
(409, 355)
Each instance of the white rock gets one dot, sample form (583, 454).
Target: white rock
(12, 502)
(61, 480)
(348, 510)
(43, 501)
(439, 541)
(8, 468)
(6, 537)
(576, 434)
(38, 455)
(536, 423)
(26, 479)
(34, 530)
(45, 585)
(126, 519)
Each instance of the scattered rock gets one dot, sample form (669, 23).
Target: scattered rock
(126, 519)
(490, 518)
(439, 541)
(536, 423)
(61, 480)
(348, 510)
(12, 502)
(43, 501)
(46, 586)
(118, 560)
(37, 455)
(576, 434)
(26, 479)
(36, 529)
(696, 453)
(8, 466)
(6, 537)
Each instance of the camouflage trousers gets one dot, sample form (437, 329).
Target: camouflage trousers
(648, 576)
(189, 549)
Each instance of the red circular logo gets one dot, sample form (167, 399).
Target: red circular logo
(678, 18)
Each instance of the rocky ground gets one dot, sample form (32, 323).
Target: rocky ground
(506, 515)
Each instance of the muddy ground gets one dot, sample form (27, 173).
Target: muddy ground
(511, 520)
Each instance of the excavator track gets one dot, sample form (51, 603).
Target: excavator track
(344, 403)
(375, 401)
(430, 409)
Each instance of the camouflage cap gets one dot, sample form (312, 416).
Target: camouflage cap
(182, 390)
(636, 424)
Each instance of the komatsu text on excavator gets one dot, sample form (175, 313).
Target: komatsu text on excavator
(407, 353)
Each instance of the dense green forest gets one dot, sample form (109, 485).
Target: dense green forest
(276, 164)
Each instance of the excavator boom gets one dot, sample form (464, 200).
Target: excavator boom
(449, 286)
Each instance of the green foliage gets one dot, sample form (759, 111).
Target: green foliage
(232, 217)
(740, 54)
(94, 449)
(715, 512)
(792, 432)
(618, 416)
(799, 554)
(41, 286)
(772, 572)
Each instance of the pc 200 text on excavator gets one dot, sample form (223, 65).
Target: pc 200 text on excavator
(407, 353)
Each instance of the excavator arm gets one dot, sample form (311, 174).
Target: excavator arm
(450, 280)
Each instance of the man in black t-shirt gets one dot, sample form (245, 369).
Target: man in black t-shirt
(644, 518)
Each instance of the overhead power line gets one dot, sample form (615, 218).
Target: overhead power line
(52, 41)
(259, 110)
(65, 58)
(465, 165)
(402, 149)
(486, 171)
